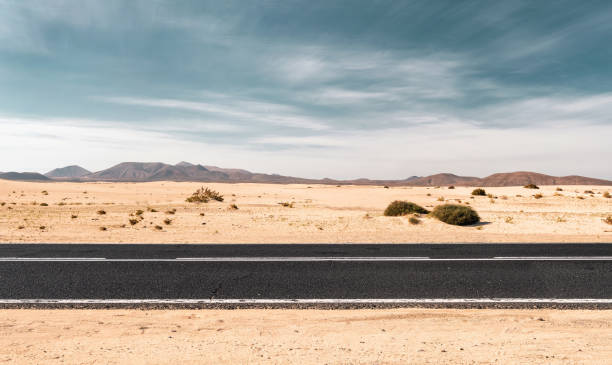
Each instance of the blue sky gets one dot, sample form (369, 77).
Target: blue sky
(341, 89)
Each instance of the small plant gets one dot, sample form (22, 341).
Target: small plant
(490, 196)
(509, 220)
(399, 207)
(286, 204)
(580, 197)
(101, 212)
(44, 204)
(73, 216)
(589, 192)
(558, 189)
(454, 214)
(451, 187)
(21, 227)
(414, 220)
(167, 221)
(557, 194)
(45, 192)
(233, 207)
(139, 212)
(42, 228)
(158, 228)
(428, 194)
(134, 221)
(171, 211)
(479, 192)
(152, 210)
(2, 204)
(538, 196)
(441, 199)
(608, 219)
(531, 186)
(386, 186)
(561, 220)
(204, 195)
(202, 214)
(606, 195)
(103, 228)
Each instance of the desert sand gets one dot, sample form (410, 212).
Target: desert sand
(319, 213)
(390, 336)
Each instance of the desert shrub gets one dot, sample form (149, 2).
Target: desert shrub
(103, 228)
(202, 214)
(171, 211)
(139, 212)
(580, 197)
(42, 228)
(490, 196)
(414, 220)
(152, 210)
(451, 187)
(101, 212)
(21, 227)
(509, 220)
(589, 192)
(399, 207)
(167, 221)
(606, 195)
(458, 215)
(134, 221)
(158, 228)
(286, 204)
(204, 195)
(74, 216)
(3, 204)
(386, 186)
(44, 204)
(608, 219)
(538, 196)
(479, 191)
(233, 206)
(45, 192)
(441, 199)
(531, 186)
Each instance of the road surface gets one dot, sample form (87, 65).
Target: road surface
(334, 275)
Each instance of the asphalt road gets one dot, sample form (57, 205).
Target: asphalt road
(559, 275)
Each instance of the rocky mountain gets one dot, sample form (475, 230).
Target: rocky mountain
(68, 172)
(23, 176)
(185, 171)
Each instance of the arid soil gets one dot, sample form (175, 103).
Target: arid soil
(393, 336)
(101, 212)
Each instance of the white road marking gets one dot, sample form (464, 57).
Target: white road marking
(313, 301)
(305, 259)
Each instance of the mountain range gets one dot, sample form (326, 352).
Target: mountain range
(185, 171)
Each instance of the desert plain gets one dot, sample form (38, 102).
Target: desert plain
(65, 212)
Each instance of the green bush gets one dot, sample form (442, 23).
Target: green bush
(479, 191)
(399, 207)
(458, 215)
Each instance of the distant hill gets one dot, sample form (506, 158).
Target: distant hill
(185, 171)
(68, 172)
(23, 176)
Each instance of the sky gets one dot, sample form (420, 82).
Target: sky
(339, 89)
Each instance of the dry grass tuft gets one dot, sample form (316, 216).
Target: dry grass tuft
(204, 195)
(101, 212)
(479, 192)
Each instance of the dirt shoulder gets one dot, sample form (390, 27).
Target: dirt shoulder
(393, 336)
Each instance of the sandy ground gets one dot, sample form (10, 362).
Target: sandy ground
(320, 213)
(394, 336)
